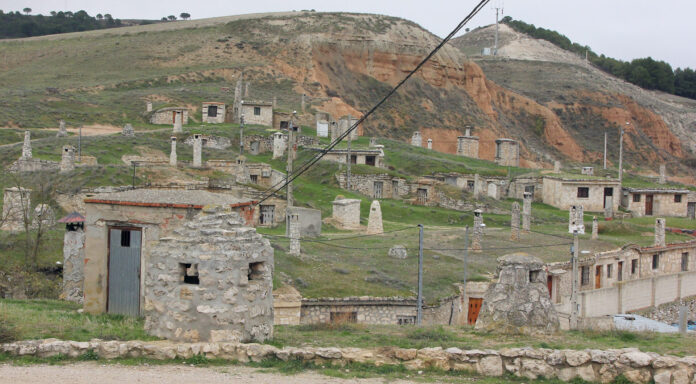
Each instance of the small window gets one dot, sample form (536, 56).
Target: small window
(188, 273)
(533, 276)
(343, 317)
(470, 185)
(677, 198)
(655, 261)
(610, 270)
(256, 271)
(257, 111)
(634, 266)
(212, 111)
(125, 239)
(636, 197)
(685, 262)
(406, 320)
(529, 189)
(254, 179)
(583, 192)
(585, 276)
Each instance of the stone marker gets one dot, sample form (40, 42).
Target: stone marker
(595, 228)
(663, 174)
(178, 128)
(556, 166)
(294, 233)
(478, 231)
(398, 252)
(430, 143)
(67, 162)
(197, 149)
(374, 222)
(515, 222)
(576, 219)
(26, 147)
(416, 139)
(172, 154)
(608, 207)
(659, 232)
(128, 130)
(62, 131)
(527, 212)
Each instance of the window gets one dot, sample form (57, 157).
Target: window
(583, 192)
(685, 262)
(188, 273)
(634, 266)
(212, 111)
(533, 276)
(677, 198)
(370, 160)
(585, 275)
(529, 189)
(405, 320)
(256, 271)
(257, 111)
(254, 179)
(610, 271)
(636, 197)
(125, 239)
(344, 317)
(267, 214)
(655, 261)
(470, 185)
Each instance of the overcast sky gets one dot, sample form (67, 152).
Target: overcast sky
(623, 29)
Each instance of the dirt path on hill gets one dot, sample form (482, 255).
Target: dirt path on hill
(88, 373)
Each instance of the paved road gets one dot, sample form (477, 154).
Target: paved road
(89, 373)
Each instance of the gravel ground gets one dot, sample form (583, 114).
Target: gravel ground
(88, 373)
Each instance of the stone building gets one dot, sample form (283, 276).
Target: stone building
(26, 163)
(655, 201)
(257, 113)
(519, 300)
(322, 120)
(468, 145)
(168, 115)
(346, 213)
(16, 209)
(73, 257)
(308, 220)
(343, 125)
(210, 279)
(67, 161)
(213, 112)
(373, 157)
(507, 152)
(210, 141)
(417, 139)
(591, 192)
(376, 185)
(131, 224)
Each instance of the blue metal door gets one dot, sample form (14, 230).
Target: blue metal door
(124, 271)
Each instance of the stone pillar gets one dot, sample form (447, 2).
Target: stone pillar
(467, 131)
(148, 106)
(128, 130)
(62, 131)
(294, 233)
(608, 207)
(172, 154)
(576, 219)
(374, 222)
(556, 166)
(430, 143)
(197, 149)
(67, 162)
(26, 147)
(659, 232)
(178, 118)
(527, 212)
(416, 139)
(275, 102)
(477, 186)
(302, 106)
(663, 174)
(478, 231)
(515, 222)
(16, 208)
(279, 145)
(73, 263)
(246, 89)
(595, 228)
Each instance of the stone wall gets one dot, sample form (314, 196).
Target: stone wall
(669, 313)
(73, 265)
(365, 184)
(16, 209)
(210, 281)
(166, 116)
(591, 365)
(33, 165)
(507, 153)
(215, 142)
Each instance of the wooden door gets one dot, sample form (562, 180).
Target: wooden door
(378, 189)
(608, 192)
(173, 117)
(598, 277)
(474, 309)
(549, 285)
(691, 210)
(648, 205)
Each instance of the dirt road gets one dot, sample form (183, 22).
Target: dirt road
(89, 373)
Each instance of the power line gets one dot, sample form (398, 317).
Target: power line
(271, 191)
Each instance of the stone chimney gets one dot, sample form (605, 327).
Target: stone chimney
(430, 143)
(515, 222)
(62, 131)
(576, 220)
(67, 162)
(556, 166)
(663, 174)
(197, 149)
(527, 212)
(148, 106)
(416, 139)
(26, 147)
(172, 154)
(178, 118)
(478, 231)
(294, 233)
(660, 232)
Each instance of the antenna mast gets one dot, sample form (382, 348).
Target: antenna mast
(498, 10)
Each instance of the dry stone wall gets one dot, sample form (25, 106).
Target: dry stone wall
(590, 365)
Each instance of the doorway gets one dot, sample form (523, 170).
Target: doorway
(608, 192)
(598, 277)
(549, 285)
(123, 276)
(648, 205)
(474, 309)
(378, 189)
(691, 210)
(619, 274)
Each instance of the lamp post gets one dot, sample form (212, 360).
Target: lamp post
(241, 134)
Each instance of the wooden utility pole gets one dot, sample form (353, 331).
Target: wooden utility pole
(621, 153)
(574, 282)
(291, 157)
(348, 156)
(241, 135)
(605, 149)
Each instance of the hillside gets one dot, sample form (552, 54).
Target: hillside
(343, 63)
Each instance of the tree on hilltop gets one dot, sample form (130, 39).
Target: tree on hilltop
(27, 10)
(100, 16)
(185, 15)
(171, 17)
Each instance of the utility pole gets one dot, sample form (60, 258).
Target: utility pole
(495, 47)
(241, 134)
(419, 302)
(574, 289)
(79, 146)
(621, 154)
(466, 255)
(605, 149)
(291, 157)
(134, 164)
(348, 157)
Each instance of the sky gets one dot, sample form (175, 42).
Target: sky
(623, 29)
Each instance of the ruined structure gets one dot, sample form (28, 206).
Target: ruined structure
(172, 154)
(576, 219)
(515, 222)
(346, 213)
(209, 280)
(43, 217)
(62, 131)
(519, 301)
(507, 152)
(73, 257)
(416, 139)
(257, 112)
(655, 201)
(468, 145)
(26, 146)
(128, 130)
(213, 112)
(16, 208)
(67, 162)
(374, 222)
(170, 115)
